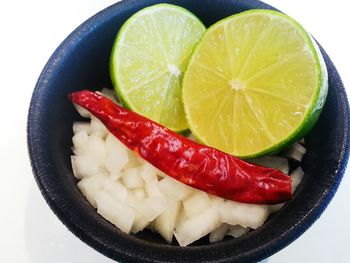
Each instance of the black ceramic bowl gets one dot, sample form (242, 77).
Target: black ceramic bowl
(81, 62)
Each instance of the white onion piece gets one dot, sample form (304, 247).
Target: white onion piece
(97, 126)
(97, 149)
(81, 142)
(152, 226)
(115, 189)
(109, 93)
(133, 160)
(181, 217)
(148, 173)
(297, 176)
(165, 222)
(146, 211)
(174, 189)
(296, 152)
(131, 178)
(84, 166)
(151, 207)
(140, 223)
(152, 189)
(139, 193)
(196, 203)
(82, 111)
(117, 155)
(90, 186)
(79, 126)
(116, 212)
(246, 215)
(219, 233)
(197, 227)
(237, 231)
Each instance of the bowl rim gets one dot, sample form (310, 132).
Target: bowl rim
(259, 253)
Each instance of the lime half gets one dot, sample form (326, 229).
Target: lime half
(255, 83)
(150, 54)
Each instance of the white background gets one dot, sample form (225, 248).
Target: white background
(30, 31)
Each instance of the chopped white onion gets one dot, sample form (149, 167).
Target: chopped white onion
(131, 178)
(97, 126)
(219, 233)
(83, 112)
(81, 142)
(296, 152)
(197, 227)
(196, 203)
(116, 212)
(297, 176)
(109, 93)
(237, 231)
(139, 193)
(165, 222)
(81, 126)
(132, 194)
(246, 215)
(117, 155)
(174, 189)
(97, 149)
(84, 166)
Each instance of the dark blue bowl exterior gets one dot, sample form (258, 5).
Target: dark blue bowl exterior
(81, 62)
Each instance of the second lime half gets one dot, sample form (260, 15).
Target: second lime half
(255, 83)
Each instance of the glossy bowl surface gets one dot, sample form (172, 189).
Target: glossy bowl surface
(81, 62)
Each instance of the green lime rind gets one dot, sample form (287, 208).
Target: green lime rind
(319, 95)
(127, 103)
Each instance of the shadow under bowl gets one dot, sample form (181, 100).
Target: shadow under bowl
(82, 62)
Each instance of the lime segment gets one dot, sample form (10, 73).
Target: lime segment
(148, 59)
(255, 83)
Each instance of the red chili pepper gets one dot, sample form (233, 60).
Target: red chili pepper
(196, 165)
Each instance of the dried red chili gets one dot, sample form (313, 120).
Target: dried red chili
(197, 165)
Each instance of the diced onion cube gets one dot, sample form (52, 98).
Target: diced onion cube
(165, 223)
(151, 207)
(139, 193)
(296, 152)
(117, 155)
(79, 126)
(237, 231)
(196, 203)
(97, 148)
(115, 211)
(131, 178)
(197, 227)
(83, 112)
(297, 176)
(97, 126)
(246, 215)
(174, 189)
(219, 233)
(81, 142)
(84, 166)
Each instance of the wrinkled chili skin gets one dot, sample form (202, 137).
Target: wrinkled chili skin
(197, 165)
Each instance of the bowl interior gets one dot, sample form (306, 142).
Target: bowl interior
(82, 62)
